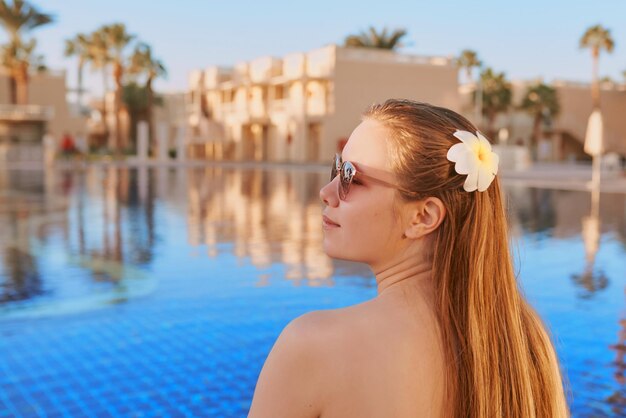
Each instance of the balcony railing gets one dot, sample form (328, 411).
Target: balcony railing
(279, 105)
(316, 106)
(26, 112)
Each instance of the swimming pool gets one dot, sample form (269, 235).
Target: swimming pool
(159, 292)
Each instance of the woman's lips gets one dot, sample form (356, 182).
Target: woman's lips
(328, 223)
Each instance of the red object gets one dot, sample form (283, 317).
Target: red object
(67, 144)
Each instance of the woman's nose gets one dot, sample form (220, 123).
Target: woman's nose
(328, 193)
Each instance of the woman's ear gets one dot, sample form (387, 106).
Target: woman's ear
(426, 216)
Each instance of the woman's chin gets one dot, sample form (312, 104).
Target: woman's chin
(334, 253)
(329, 249)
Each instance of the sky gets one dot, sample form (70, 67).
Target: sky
(527, 40)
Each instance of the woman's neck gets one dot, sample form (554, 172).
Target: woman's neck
(405, 277)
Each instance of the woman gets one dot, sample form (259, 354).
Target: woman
(449, 334)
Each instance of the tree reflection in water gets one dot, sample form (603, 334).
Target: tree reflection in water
(19, 277)
(618, 398)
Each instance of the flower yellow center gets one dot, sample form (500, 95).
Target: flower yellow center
(483, 154)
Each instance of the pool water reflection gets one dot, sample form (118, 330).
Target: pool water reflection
(161, 291)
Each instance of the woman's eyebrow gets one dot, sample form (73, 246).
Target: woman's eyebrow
(360, 166)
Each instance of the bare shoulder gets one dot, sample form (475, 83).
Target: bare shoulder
(318, 357)
(356, 322)
(323, 323)
(328, 327)
(325, 320)
(296, 370)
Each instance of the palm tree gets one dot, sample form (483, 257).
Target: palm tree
(18, 57)
(378, 40)
(80, 47)
(496, 97)
(99, 58)
(135, 98)
(116, 40)
(17, 18)
(468, 60)
(542, 103)
(142, 62)
(596, 38)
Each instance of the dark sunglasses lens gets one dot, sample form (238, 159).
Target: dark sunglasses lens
(347, 173)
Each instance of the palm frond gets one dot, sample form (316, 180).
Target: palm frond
(373, 38)
(597, 38)
(20, 16)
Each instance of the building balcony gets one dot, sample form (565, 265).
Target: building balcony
(240, 107)
(316, 106)
(293, 67)
(279, 105)
(262, 70)
(258, 109)
(320, 63)
(214, 76)
(228, 107)
(20, 113)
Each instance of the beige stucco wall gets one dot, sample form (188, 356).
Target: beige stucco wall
(171, 113)
(48, 89)
(5, 88)
(576, 107)
(358, 84)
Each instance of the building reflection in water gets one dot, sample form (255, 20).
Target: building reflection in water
(268, 216)
(618, 398)
(108, 219)
(20, 198)
(591, 279)
(126, 231)
(542, 214)
(90, 220)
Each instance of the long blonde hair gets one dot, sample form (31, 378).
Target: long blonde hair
(499, 355)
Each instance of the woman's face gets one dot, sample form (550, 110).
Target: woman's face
(367, 230)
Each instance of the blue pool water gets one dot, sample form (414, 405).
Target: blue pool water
(159, 292)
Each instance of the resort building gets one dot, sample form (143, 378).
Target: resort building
(302, 107)
(169, 120)
(576, 106)
(22, 127)
(562, 138)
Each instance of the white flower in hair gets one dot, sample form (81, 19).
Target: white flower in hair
(473, 156)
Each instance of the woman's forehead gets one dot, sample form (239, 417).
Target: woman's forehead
(367, 145)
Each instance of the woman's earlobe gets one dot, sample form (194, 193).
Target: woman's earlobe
(415, 231)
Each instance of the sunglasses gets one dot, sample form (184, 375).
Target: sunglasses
(347, 174)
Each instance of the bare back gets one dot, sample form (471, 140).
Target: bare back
(384, 360)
